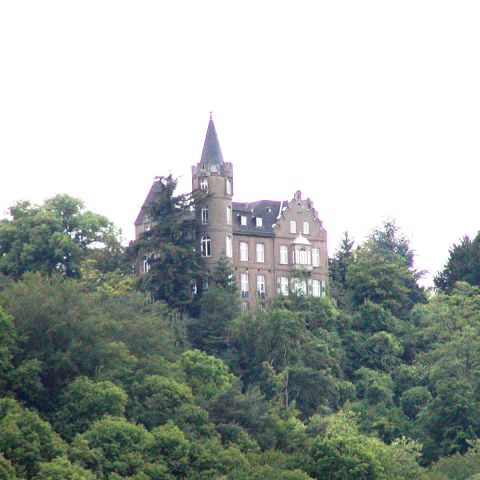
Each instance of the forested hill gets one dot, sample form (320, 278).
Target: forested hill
(99, 382)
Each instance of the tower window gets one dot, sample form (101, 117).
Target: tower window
(229, 246)
(205, 246)
(204, 184)
(229, 186)
(229, 215)
(205, 215)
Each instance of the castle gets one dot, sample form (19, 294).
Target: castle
(275, 247)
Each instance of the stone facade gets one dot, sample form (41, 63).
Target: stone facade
(275, 247)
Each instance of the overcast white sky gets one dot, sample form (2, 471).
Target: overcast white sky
(371, 108)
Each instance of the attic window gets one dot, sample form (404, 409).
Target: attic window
(243, 220)
(259, 221)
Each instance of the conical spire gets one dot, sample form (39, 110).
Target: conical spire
(211, 153)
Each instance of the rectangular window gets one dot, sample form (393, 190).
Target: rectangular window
(284, 286)
(283, 255)
(243, 220)
(244, 306)
(205, 215)
(293, 226)
(229, 186)
(229, 246)
(316, 290)
(306, 228)
(244, 285)
(261, 286)
(243, 251)
(299, 286)
(204, 184)
(260, 253)
(259, 221)
(229, 215)
(316, 257)
(324, 288)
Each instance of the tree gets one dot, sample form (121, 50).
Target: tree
(26, 440)
(85, 401)
(217, 308)
(170, 246)
(61, 469)
(52, 238)
(338, 266)
(463, 264)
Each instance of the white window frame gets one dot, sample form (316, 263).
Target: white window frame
(205, 215)
(299, 286)
(283, 255)
(293, 226)
(244, 285)
(316, 288)
(146, 264)
(316, 257)
(204, 184)
(229, 215)
(206, 246)
(260, 252)
(261, 286)
(259, 221)
(244, 251)
(306, 228)
(243, 220)
(229, 246)
(284, 286)
(229, 186)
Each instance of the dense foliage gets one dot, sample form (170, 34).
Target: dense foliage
(98, 382)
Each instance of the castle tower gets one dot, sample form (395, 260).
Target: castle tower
(215, 177)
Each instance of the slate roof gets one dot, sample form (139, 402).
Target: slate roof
(211, 153)
(268, 210)
(157, 184)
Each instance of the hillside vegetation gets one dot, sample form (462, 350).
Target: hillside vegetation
(99, 382)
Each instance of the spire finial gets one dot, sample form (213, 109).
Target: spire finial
(211, 113)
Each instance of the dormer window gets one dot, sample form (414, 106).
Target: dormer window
(243, 220)
(204, 184)
(259, 221)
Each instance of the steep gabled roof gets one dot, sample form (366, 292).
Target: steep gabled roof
(211, 153)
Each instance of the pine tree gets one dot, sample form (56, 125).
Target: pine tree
(170, 247)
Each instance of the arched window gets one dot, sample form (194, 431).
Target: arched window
(205, 246)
